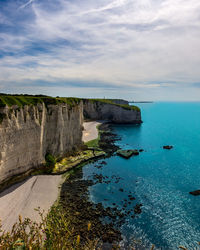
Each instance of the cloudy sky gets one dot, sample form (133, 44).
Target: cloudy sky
(132, 49)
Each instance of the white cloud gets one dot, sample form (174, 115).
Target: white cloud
(139, 44)
(26, 4)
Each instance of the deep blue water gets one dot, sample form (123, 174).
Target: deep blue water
(159, 179)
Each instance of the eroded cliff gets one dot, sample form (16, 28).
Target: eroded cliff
(105, 110)
(31, 127)
(28, 133)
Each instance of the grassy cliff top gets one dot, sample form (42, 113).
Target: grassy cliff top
(109, 101)
(21, 100)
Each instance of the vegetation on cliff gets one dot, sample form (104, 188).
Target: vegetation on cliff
(77, 159)
(55, 231)
(21, 100)
(77, 225)
(109, 101)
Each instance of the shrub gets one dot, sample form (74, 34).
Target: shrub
(50, 163)
(53, 232)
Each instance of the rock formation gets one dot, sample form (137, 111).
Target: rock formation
(30, 128)
(30, 132)
(99, 110)
(195, 193)
(167, 147)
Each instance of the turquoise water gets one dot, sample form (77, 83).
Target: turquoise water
(159, 179)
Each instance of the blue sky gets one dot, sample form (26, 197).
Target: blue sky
(132, 49)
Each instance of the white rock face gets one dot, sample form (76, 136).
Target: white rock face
(28, 133)
(113, 113)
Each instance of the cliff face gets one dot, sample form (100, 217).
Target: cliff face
(115, 113)
(28, 133)
(31, 127)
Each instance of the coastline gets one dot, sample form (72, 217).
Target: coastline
(37, 191)
(73, 201)
(23, 198)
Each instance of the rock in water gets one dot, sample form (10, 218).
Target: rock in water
(135, 152)
(137, 209)
(167, 147)
(127, 153)
(196, 192)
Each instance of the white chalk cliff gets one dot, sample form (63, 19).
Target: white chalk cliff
(29, 132)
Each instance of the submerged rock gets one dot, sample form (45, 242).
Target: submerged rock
(135, 152)
(167, 147)
(196, 192)
(137, 209)
(127, 153)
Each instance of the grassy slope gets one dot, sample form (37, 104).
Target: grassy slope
(112, 103)
(21, 100)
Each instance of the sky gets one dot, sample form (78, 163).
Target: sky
(131, 49)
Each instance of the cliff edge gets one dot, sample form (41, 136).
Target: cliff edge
(33, 126)
(102, 109)
(28, 132)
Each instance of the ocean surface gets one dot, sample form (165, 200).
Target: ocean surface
(159, 179)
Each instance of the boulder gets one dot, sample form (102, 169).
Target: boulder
(127, 153)
(167, 147)
(135, 152)
(137, 209)
(196, 192)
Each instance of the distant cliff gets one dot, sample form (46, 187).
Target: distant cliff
(106, 110)
(33, 126)
(119, 101)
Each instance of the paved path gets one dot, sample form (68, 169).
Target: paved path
(90, 131)
(38, 191)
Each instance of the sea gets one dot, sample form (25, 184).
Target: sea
(159, 179)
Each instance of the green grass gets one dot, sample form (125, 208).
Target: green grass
(93, 143)
(107, 101)
(55, 231)
(73, 161)
(21, 100)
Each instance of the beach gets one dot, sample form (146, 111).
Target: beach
(37, 191)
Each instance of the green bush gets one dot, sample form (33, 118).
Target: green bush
(50, 163)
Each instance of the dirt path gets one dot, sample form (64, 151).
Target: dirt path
(22, 198)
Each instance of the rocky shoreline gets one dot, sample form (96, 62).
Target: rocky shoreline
(74, 198)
